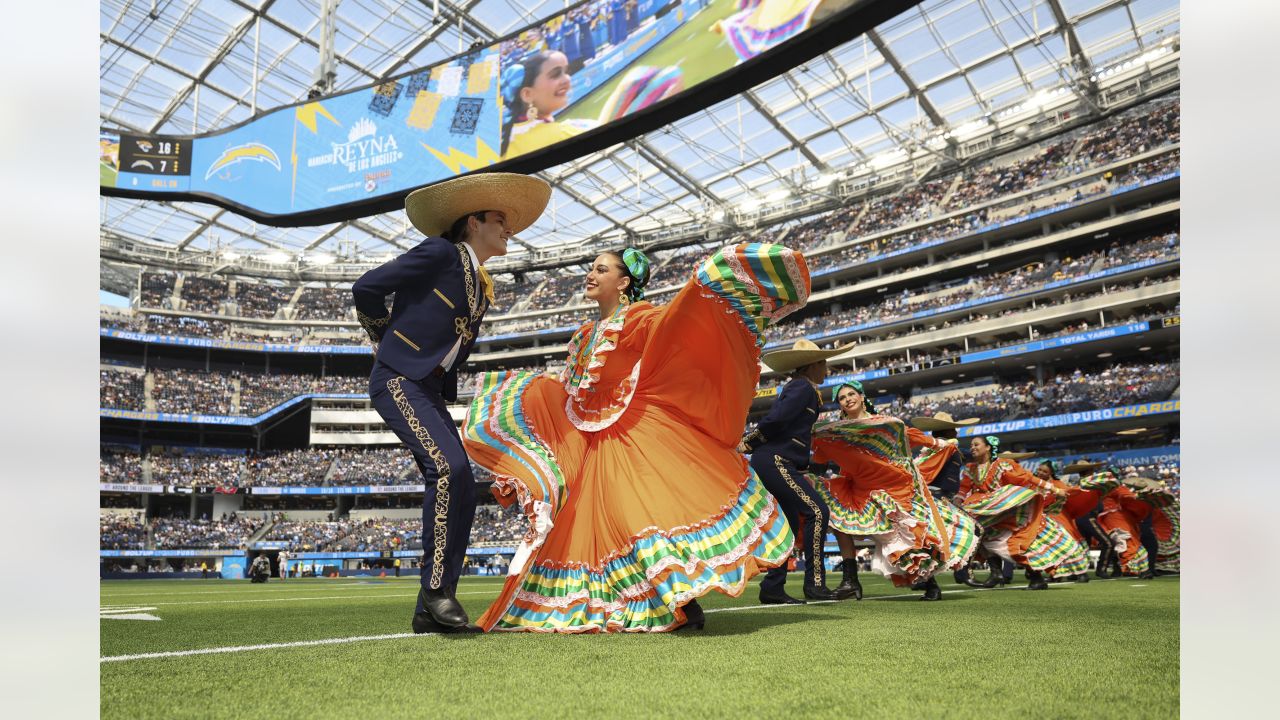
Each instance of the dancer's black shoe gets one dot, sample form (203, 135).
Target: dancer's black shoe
(694, 618)
(779, 598)
(849, 586)
(931, 590)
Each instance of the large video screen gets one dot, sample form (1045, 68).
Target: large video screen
(593, 65)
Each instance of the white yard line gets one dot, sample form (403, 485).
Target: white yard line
(371, 596)
(308, 587)
(246, 648)
(397, 636)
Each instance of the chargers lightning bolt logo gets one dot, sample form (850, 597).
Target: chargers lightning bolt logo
(249, 151)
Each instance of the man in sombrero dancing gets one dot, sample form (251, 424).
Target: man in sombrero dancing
(780, 447)
(441, 292)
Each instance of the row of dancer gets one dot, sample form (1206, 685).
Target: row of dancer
(627, 464)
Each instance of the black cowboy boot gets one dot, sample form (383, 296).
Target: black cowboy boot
(1036, 580)
(694, 618)
(819, 592)
(779, 598)
(849, 586)
(1103, 569)
(996, 577)
(442, 614)
(931, 590)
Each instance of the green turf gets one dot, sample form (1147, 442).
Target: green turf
(1105, 649)
(700, 53)
(106, 175)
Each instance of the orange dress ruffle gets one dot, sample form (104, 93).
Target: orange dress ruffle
(626, 466)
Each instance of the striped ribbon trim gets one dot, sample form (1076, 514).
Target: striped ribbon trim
(999, 502)
(881, 436)
(1055, 551)
(762, 282)
(496, 418)
(639, 589)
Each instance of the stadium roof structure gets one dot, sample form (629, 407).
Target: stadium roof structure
(913, 87)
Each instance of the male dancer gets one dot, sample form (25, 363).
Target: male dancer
(441, 292)
(780, 447)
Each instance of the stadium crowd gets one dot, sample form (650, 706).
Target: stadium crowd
(259, 393)
(260, 300)
(493, 524)
(194, 391)
(203, 294)
(121, 532)
(188, 467)
(372, 466)
(1076, 391)
(1021, 280)
(119, 465)
(157, 289)
(175, 534)
(379, 534)
(306, 466)
(122, 389)
(325, 303)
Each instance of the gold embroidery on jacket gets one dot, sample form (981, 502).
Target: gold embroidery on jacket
(439, 528)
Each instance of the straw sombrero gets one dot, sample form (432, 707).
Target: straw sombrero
(941, 421)
(522, 198)
(1140, 482)
(1016, 455)
(801, 353)
(1082, 466)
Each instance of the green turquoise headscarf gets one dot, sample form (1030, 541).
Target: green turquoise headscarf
(856, 386)
(638, 266)
(994, 442)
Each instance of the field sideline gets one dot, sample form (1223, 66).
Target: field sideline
(1105, 649)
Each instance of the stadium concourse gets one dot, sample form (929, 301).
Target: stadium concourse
(987, 196)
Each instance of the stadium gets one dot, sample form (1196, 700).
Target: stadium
(982, 198)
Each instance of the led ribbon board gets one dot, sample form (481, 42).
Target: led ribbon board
(587, 78)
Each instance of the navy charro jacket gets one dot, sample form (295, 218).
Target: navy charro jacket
(439, 297)
(947, 483)
(787, 430)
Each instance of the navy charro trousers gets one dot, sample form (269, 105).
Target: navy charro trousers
(416, 411)
(806, 512)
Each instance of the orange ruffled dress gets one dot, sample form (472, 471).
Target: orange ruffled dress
(1009, 503)
(627, 468)
(1124, 508)
(881, 494)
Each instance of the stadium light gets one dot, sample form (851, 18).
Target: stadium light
(777, 195)
(276, 258)
(231, 256)
(321, 259)
(717, 215)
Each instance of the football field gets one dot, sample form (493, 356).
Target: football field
(320, 648)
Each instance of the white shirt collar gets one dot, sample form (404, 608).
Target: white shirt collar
(475, 262)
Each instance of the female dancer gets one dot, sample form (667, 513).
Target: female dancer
(534, 88)
(1129, 517)
(1165, 524)
(1006, 500)
(627, 466)
(880, 494)
(539, 85)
